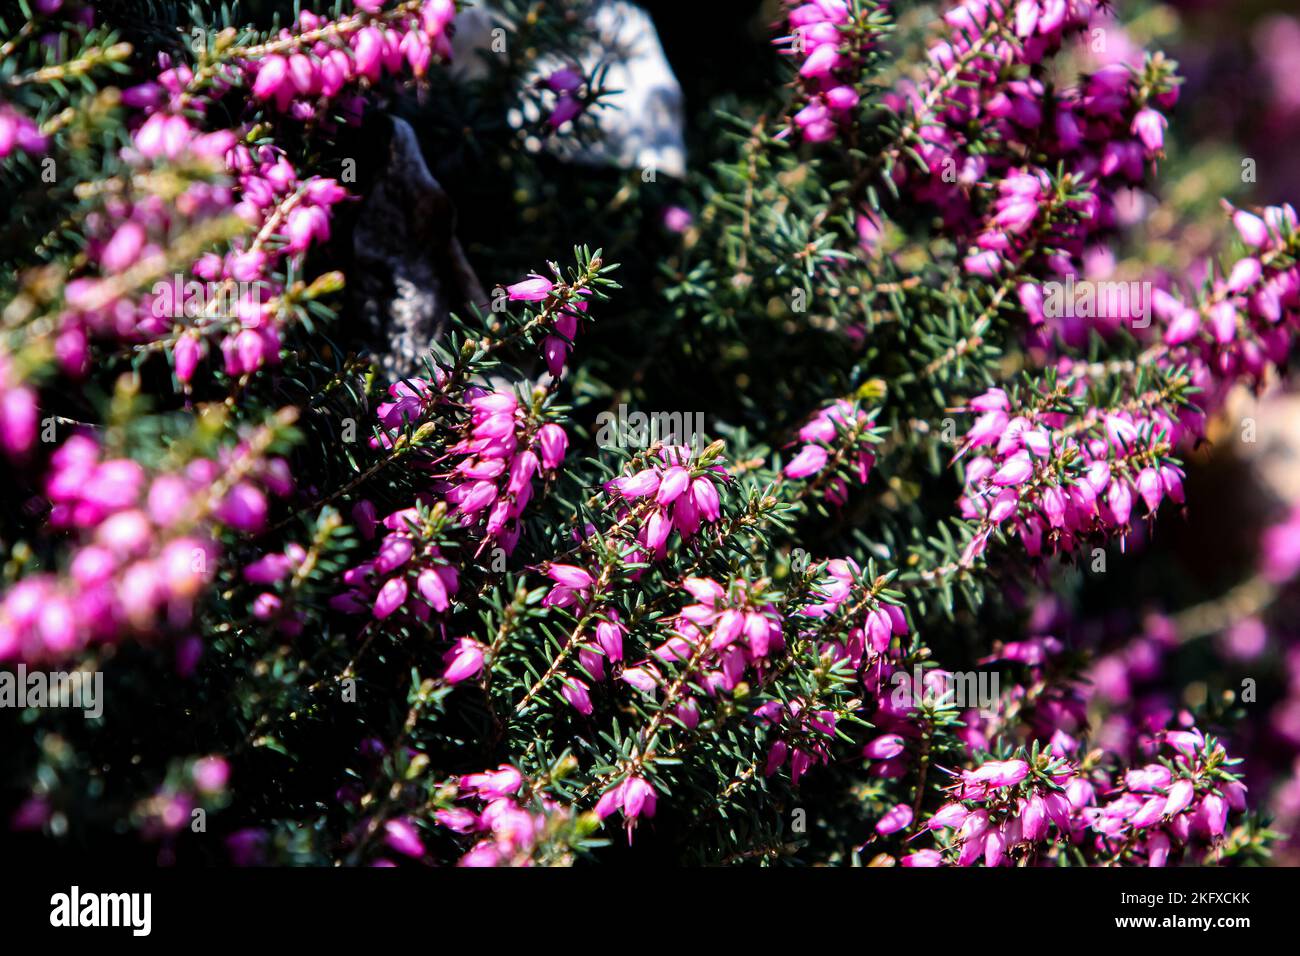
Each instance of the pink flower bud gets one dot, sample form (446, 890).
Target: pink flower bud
(391, 596)
(186, 354)
(464, 660)
(810, 460)
(895, 819)
(675, 481)
(575, 692)
(1180, 795)
(402, 836)
(553, 443)
(705, 496)
(533, 289)
(884, 748)
(569, 576)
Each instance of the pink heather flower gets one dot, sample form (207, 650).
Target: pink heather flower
(266, 606)
(1183, 327)
(368, 51)
(677, 219)
(186, 354)
(884, 748)
(123, 249)
(639, 799)
(533, 289)
(675, 481)
(563, 80)
(609, 635)
(641, 678)
(1158, 846)
(1244, 275)
(810, 460)
(569, 576)
(502, 782)
(643, 483)
(1212, 815)
(391, 596)
(464, 660)
(210, 774)
(923, 858)
(555, 350)
(995, 774)
(272, 75)
(1149, 126)
(705, 497)
(18, 420)
(457, 819)
(821, 61)
(402, 836)
(1015, 470)
(1252, 229)
(243, 508)
(984, 264)
(575, 691)
(553, 443)
(432, 583)
(897, 818)
(1180, 796)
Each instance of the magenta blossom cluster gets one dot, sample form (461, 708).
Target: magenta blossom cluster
(145, 545)
(1246, 322)
(827, 43)
(349, 50)
(501, 452)
(507, 832)
(673, 493)
(505, 451)
(232, 296)
(1173, 808)
(562, 307)
(1161, 806)
(1101, 135)
(825, 428)
(1057, 480)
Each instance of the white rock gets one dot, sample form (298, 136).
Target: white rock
(641, 125)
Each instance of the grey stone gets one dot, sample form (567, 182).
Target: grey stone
(410, 270)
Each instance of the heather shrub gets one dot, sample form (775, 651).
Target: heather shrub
(808, 506)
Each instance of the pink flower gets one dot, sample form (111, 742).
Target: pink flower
(533, 289)
(884, 748)
(464, 660)
(675, 481)
(391, 596)
(897, 818)
(923, 858)
(569, 576)
(210, 774)
(639, 800)
(502, 782)
(810, 460)
(1149, 126)
(553, 443)
(575, 691)
(402, 836)
(1180, 796)
(272, 76)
